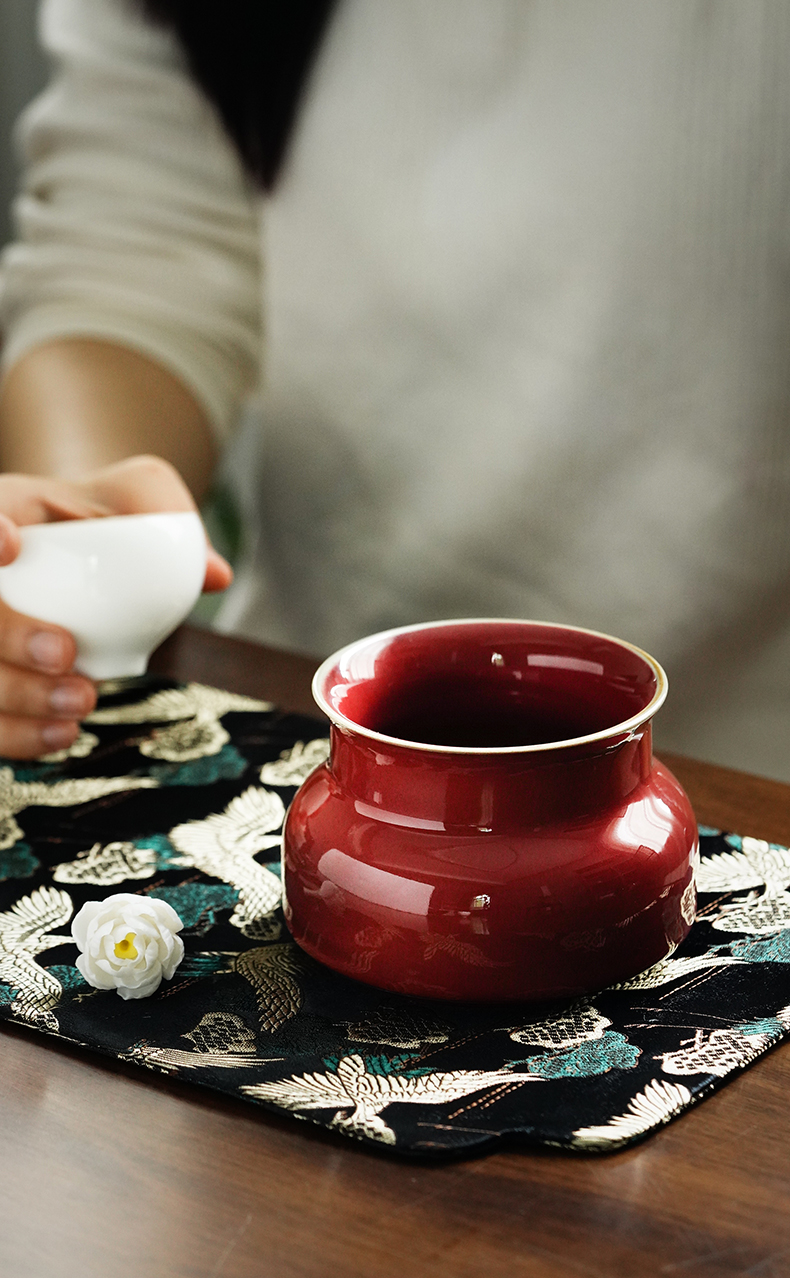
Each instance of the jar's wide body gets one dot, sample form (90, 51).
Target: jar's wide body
(475, 879)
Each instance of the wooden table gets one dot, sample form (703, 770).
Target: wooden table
(106, 1170)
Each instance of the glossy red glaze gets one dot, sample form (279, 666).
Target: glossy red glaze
(534, 851)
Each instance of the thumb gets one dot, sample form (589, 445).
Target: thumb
(219, 574)
(10, 541)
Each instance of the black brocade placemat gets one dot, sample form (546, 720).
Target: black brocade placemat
(180, 791)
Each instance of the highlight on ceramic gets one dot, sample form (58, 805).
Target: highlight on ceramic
(491, 823)
(120, 584)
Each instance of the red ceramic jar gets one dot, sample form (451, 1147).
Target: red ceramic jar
(491, 824)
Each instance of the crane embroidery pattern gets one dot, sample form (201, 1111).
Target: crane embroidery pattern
(657, 1104)
(365, 1093)
(295, 764)
(752, 864)
(197, 710)
(225, 845)
(219, 1040)
(180, 792)
(34, 992)
(719, 1052)
(16, 796)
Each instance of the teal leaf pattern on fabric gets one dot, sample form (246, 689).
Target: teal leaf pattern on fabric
(708, 831)
(735, 842)
(197, 904)
(612, 1052)
(227, 764)
(760, 1027)
(775, 947)
(205, 963)
(69, 977)
(17, 862)
(166, 854)
(7, 994)
(381, 1064)
(37, 772)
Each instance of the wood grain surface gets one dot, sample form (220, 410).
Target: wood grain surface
(106, 1170)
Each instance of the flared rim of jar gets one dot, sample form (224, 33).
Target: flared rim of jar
(622, 730)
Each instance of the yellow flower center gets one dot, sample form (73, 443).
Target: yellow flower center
(126, 950)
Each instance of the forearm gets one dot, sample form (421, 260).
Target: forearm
(86, 429)
(73, 405)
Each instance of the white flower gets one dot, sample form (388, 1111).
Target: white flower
(128, 942)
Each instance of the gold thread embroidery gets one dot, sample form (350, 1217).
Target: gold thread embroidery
(198, 706)
(24, 935)
(16, 796)
(352, 1087)
(296, 764)
(224, 845)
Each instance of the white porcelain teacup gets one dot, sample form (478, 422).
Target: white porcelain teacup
(119, 584)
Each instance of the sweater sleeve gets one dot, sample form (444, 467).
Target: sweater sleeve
(135, 221)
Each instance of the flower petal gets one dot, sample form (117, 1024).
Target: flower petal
(100, 927)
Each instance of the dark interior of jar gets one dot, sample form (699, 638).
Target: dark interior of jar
(491, 685)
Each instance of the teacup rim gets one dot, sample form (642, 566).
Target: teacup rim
(602, 735)
(83, 521)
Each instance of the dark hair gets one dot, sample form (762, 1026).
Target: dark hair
(252, 59)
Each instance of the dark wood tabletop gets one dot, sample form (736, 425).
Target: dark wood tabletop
(107, 1170)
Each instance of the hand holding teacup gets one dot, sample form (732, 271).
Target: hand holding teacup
(56, 625)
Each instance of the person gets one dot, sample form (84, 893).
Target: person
(507, 335)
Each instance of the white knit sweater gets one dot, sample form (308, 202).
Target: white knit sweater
(523, 322)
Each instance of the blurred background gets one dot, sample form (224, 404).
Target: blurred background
(23, 72)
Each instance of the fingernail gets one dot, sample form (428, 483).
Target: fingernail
(58, 735)
(68, 699)
(47, 650)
